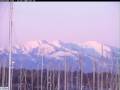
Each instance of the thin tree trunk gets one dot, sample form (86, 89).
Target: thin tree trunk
(21, 78)
(81, 81)
(98, 78)
(58, 80)
(25, 80)
(65, 76)
(3, 75)
(42, 75)
(38, 77)
(94, 66)
(47, 78)
(32, 80)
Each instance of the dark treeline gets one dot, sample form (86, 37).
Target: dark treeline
(23, 79)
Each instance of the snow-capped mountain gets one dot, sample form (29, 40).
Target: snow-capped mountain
(59, 48)
(30, 53)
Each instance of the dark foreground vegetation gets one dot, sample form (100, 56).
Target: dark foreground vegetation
(23, 79)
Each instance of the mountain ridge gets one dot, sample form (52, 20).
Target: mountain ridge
(30, 54)
(44, 47)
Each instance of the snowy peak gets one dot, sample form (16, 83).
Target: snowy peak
(31, 44)
(98, 47)
(30, 53)
(41, 46)
(57, 43)
(58, 48)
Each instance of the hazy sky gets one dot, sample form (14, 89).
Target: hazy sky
(66, 21)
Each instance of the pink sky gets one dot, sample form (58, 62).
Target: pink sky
(66, 21)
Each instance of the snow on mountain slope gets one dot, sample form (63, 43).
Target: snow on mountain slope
(56, 51)
(57, 43)
(59, 49)
(42, 47)
(50, 48)
(100, 48)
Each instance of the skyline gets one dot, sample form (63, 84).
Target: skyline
(66, 21)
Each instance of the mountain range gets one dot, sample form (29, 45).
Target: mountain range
(56, 53)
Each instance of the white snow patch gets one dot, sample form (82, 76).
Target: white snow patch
(100, 48)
